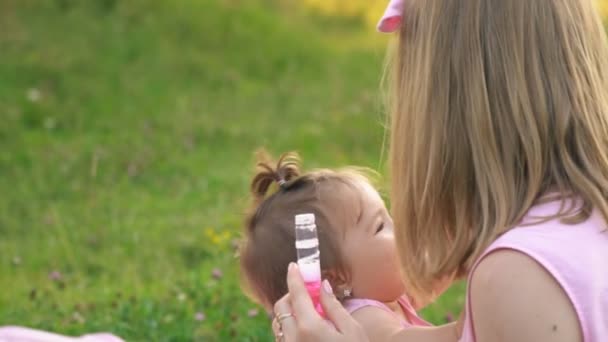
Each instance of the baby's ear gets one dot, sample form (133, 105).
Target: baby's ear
(340, 283)
(336, 279)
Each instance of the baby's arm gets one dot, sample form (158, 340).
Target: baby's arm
(442, 333)
(380, 325)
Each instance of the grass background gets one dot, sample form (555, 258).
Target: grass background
(126, 139)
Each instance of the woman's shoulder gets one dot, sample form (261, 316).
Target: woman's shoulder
(513, 298)
(544, 276)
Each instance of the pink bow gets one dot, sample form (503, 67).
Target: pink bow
(391, 19)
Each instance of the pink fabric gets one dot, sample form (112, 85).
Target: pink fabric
(352, 305)
(391, 19)
(21, 334)
(576, 256)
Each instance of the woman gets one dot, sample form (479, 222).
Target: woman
(499, 161)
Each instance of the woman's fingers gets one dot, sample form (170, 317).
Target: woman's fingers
(309, 325)
(334, 310)
(283, 322)
(301, 303)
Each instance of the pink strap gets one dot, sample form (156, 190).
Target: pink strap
(354, 304)
(391, 19)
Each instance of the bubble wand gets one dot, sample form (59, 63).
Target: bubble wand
(307, 247)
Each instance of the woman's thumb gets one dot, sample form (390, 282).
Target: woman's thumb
(334, 310)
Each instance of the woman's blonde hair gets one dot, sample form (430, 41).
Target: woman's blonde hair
(494, 104)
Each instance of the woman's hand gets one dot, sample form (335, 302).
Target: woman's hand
(297, 321)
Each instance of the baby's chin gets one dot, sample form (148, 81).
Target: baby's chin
(390, 293)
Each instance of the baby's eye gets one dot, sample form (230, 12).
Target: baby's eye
(380, 227)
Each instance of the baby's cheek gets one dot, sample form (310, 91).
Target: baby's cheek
(392, 269)
(387, 287)
(384, 273)
(365, 276)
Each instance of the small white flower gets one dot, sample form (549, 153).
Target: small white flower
(16, 261)
(34, 95)
(49, 123)
(253, 312)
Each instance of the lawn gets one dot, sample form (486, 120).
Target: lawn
(126, 144)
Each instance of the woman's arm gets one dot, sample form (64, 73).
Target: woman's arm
(442, 333)
(380, 325)
(308, 326)
(514, 299)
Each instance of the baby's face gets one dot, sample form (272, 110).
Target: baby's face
(369, 249)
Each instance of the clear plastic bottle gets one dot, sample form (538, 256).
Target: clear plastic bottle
(309, 262)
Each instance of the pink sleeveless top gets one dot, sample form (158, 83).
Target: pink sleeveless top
(352, 305)
(575, 255)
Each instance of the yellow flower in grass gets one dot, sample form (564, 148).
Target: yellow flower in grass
(217, 238)
(370, 10)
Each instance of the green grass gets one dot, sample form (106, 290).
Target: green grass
(126, 139)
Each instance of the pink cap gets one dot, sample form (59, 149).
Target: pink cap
(391, 19)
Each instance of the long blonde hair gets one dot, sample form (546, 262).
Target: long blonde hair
(493, 104)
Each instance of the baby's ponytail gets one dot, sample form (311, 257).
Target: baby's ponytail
(287, 169)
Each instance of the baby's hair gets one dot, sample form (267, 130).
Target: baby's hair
(268, 244)
(286, 169)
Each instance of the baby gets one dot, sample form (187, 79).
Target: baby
(356, 241)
